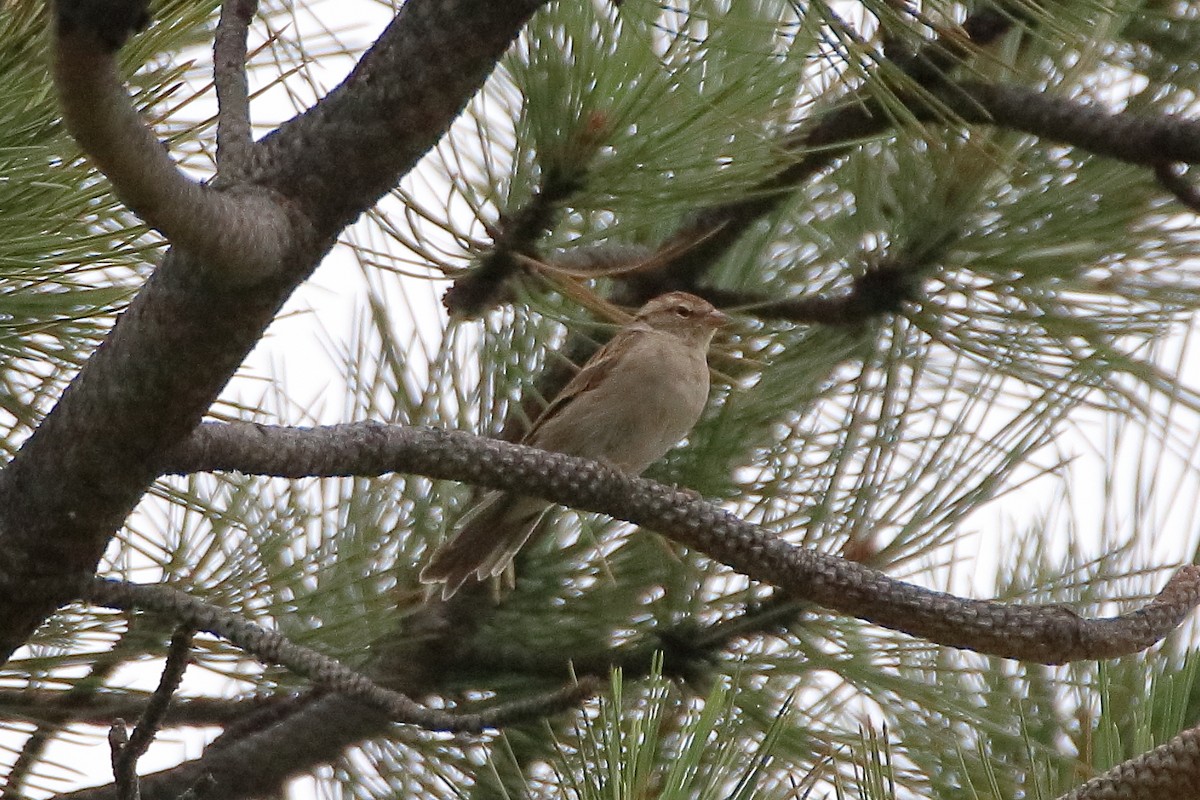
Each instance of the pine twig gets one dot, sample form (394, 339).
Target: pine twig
(234, 138)
(127, 751)
(275, 648)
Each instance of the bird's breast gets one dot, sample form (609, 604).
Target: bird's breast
(642, 408)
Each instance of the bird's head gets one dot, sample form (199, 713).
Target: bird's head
(684, 315)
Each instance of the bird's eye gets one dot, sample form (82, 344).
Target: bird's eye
(683, 311)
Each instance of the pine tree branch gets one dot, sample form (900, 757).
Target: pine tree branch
(1132, 137)
(689, 649)
(1174, 180)
(83, 470)
(320, 725)
(1169, 770)
(517, 234)
(234, 136)
(53, 707)
(829, 137)
(260, 763)
(267, 646)
(108, 25)
(1140, 138)
(262, 749)
(274, 648)
(125, 783)
(316, 730)
(826, 137)
(242, 235)
(340, 156)
(128, 749)
(935, 59)
(82, 693)
(881, 289)
(1043, 634)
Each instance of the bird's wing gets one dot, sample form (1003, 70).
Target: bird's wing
(589, 377)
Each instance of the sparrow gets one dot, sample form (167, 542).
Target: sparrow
(627, 406)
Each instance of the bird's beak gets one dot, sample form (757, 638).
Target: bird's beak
(717, 318)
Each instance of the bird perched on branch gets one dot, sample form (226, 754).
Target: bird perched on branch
(627, 406)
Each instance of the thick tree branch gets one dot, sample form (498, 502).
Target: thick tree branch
(1133, 137)
(245, 235)
(259, 763)
(76, 479)
(339, 157)
(1170, 770)
(90, 461)
(1044, 634)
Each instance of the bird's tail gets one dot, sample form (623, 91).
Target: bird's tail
(489, 536)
